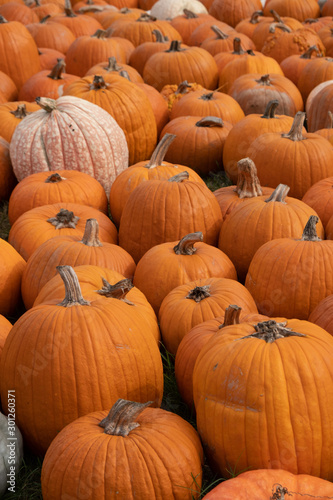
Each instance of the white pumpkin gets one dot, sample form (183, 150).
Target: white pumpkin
(11, 454)
(168, 9)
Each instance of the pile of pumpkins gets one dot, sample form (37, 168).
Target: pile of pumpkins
(113, 115)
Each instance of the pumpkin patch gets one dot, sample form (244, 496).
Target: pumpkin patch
(166, 231)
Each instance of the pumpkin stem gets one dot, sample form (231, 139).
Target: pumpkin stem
(20, 112)
(146, 18)
(186, 244)
(248, 185)
(270, 109)
(98, 83)
(295, 133)
(183, 87)
(90, 236)
(270, 330)
(237, 45)
(308, 53)
(330, 117)
(112, 65)
(199, 293)
(280, 492)
(68, 9)
(160, 151)
(255, 17)
(3, 20)
(182, 176)
(73, 294)
(281, 26)
(310, 232)
(57, 70)
(276, 16)
(160, 38)
(210, 121)
(117, 291)
(175, 46)
(99, 34)
(231, 316)
(53, 178)
(219, 32)
(189, 14)
(43, 21)
(64, 219)
(46, 103)
(121, 418)
(264, 80)
(279, 194)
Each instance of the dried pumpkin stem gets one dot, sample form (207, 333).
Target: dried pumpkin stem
(255, 16)
(175, 46)
(182, 176)
(281, 26)
(46, 103)
(219, 33)
(160, 151)
(248, 185)
(308, 53)
(231, 316)
(146, 18)
(210, 121)
(264, 80)
(117, 291)
(199, 293)
(270, 330)
(310, 232)
(270, 109)
(295, 133)
(73, 294)
(90, 236)
(54, 178)
(121, 418)
(68, 9)
(57, 70)
(280, 492)
(98, 83)
(112, 65)
(189, 14)
(64, 219)
(237, 46)
(183, 87)
(186, 244)
(279, 194)
(99, 34)
(20, 112)
(160, 38)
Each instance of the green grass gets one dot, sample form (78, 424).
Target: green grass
(28, 486)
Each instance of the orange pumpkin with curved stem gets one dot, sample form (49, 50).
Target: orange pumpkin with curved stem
(142, 52)
(49, 57)
(306, 277)
(149, 438)
(155, 168)
(178, 63)
(187, 22)
(295, 153)
(262, 31)
(249, 24)
(93, 330)
(72, 251)
(159, 211)
(262, 370)
(196, 301)
(51, 35)
(260, 219)
(293, 65)
(174, 263)
(233, 11)
(80, 25)
(11, 114)
(223, 42)
(298, 9)
(203, 31)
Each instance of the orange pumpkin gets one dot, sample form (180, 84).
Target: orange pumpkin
(11, 114)
(8, 180)
(233, 11)
(12, 269)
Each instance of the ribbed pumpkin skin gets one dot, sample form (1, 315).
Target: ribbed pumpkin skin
(320, 198)
(289, 277)
(262, 482)
(298, 9)
(83, 460)
(159, 211)
(5, 327)
(233, 11)
(245, 388)
(9, 119)
(74, 187)
(23, 62)
(179, 314)
(70, 362)
(11, 269)
(128, 105)
(322, 314)
(31, 229)
(8, 180)
(77, 135)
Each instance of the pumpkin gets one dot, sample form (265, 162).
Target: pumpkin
(112, 66)
(317, 104)
(172, 93)
(203, 31)
(73, 134)
(188, 21)
(46, 188)
(73, 251)
(304, 281)
(295, 153)
(248, 186)
(7, 178)
(298, 9)
(182, 261)
(69, 364)
(142, 52)
(8, 90)
(159, 211)
(158, 104)
(11, 114)
(16, 40)
(267, 375)
(46, 83)
(137, 443)
(49, 57)
(40, 224)
(233, 11)
(327, 132)
(223, 42)
(168, 9)
(13, 11)
(320, 198)
(321, 315)
(108, 16)
(80, 25)
(249, 24)
(196, 301)
(11, 448)
(261, 483)
(260, 219)
(51, 35)
(5, 327)
(293, 65)
(127, 104)
(199, 142)
(261, 31)
(155, 168)
(247, 130)
(320, 69)
(177, 64)
(11, 275)
(254, 91)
